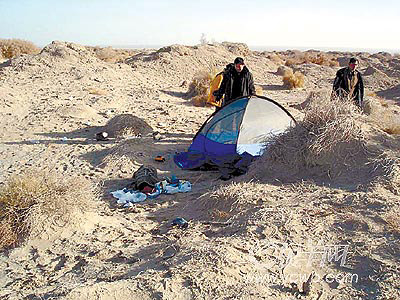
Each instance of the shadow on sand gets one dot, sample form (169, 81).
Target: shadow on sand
(392, 94)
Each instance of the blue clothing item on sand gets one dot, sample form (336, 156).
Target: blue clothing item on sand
(128, 196)
(181, 222)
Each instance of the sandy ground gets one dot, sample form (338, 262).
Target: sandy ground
(52, 104)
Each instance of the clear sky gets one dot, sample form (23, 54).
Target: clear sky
(334, 24)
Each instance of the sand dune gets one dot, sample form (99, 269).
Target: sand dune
(248, 238)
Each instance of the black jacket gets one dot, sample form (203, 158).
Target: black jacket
(342, 89)
(235, 84)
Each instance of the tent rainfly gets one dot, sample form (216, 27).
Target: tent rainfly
(240, 129)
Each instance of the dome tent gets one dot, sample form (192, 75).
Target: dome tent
(240, 130)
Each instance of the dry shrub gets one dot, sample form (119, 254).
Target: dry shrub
(329, 137)
(392, 219)
(199, 100)
(220, 214)
(318, 59)
(334, 63)
(10, 48)
(124, 54)
(293, 80)
(293, 61)
(127, 125)
(199, 87)
(281, 70)
(275, 58)
(259, 90)
(330, 121)
(107, 54)
(35, 200)
(232, 198)
(392, 125)
(321, 59)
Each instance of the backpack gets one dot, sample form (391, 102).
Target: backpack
(144, 176)
(214, 86)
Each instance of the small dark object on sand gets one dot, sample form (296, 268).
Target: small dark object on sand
(180, 222)
(102, 136)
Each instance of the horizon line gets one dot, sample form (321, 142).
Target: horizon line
(251, 47)
(265, 48)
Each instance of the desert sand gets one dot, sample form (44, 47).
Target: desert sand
(248, 238)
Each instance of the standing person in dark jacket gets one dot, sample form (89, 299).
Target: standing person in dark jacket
(237, 81)
(349, 83)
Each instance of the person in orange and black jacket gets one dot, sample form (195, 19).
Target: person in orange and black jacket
(349, 83)
(237, 81)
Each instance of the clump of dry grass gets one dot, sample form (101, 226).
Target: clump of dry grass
(330, 121)
(392, 125)
(199, 87)
(275, 58)
(321, 59)
(127, 125)
(392, 219)
(281, 70)
(229, 199)
(293, 80)
(10, 48)
(329, 136)
(220, 214)
(259, 90)
(109, 54)
(290, 62)
(35, 200)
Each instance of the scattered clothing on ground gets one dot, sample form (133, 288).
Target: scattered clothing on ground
(129, 196)
(145, 176)
(180, 222)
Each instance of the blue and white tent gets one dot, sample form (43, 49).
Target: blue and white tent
(240, 129)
